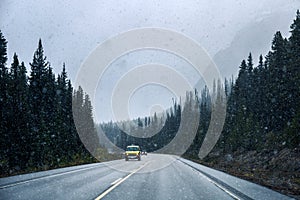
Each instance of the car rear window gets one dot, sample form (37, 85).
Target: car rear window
(132, 149)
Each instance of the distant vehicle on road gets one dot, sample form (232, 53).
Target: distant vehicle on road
(133, 152)
(144, 152)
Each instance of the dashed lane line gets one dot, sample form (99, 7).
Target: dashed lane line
(119, 181)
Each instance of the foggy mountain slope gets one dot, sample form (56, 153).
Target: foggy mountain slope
(255, 37)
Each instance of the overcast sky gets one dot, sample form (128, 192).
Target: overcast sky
(70, 30)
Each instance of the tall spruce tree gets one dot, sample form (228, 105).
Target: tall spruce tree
(18, 115)
(277, 93)
(37, 91)
(292, 134)
(4, 78)
(294, 63)
(83, 118)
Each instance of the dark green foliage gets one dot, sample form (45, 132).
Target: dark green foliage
(140, 123)
(36, 126)
(4, 96)
(263, 111)
(205, 107)
(18, 106)
(263, 108)
(292, 132)
(164, 127)
(3, 50)
(293, 67)
(82, 109)
(263, 102)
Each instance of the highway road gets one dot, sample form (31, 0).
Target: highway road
(157, 176)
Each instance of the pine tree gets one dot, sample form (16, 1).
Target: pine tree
(259, 99)
(37, 90)
(240, 88)
(3, 50)
(83, 118)
(63, 141)
(71, 129)
(139, 122)
(292, 134)
(90, 126)
(146, 121)
(293, 69)
(4, 78)
(204, 108)
(250, 94)
(18, 104)
(276, 93)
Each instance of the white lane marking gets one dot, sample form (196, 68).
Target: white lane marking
(119, 182)
(116, 181)
(218, 185)
(46, 176)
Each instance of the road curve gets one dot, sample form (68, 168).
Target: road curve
(157, 176)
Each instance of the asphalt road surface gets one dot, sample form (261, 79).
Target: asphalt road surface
(156, 176)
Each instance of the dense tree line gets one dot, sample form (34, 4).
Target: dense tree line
(263, 109)
(37, 124)
(37, 129)
(123, 133)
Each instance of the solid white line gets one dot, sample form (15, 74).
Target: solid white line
(219, 186)
(116, 181)
(119, 182)
(46, 176)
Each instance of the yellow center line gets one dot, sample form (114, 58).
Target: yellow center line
(119, 182)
